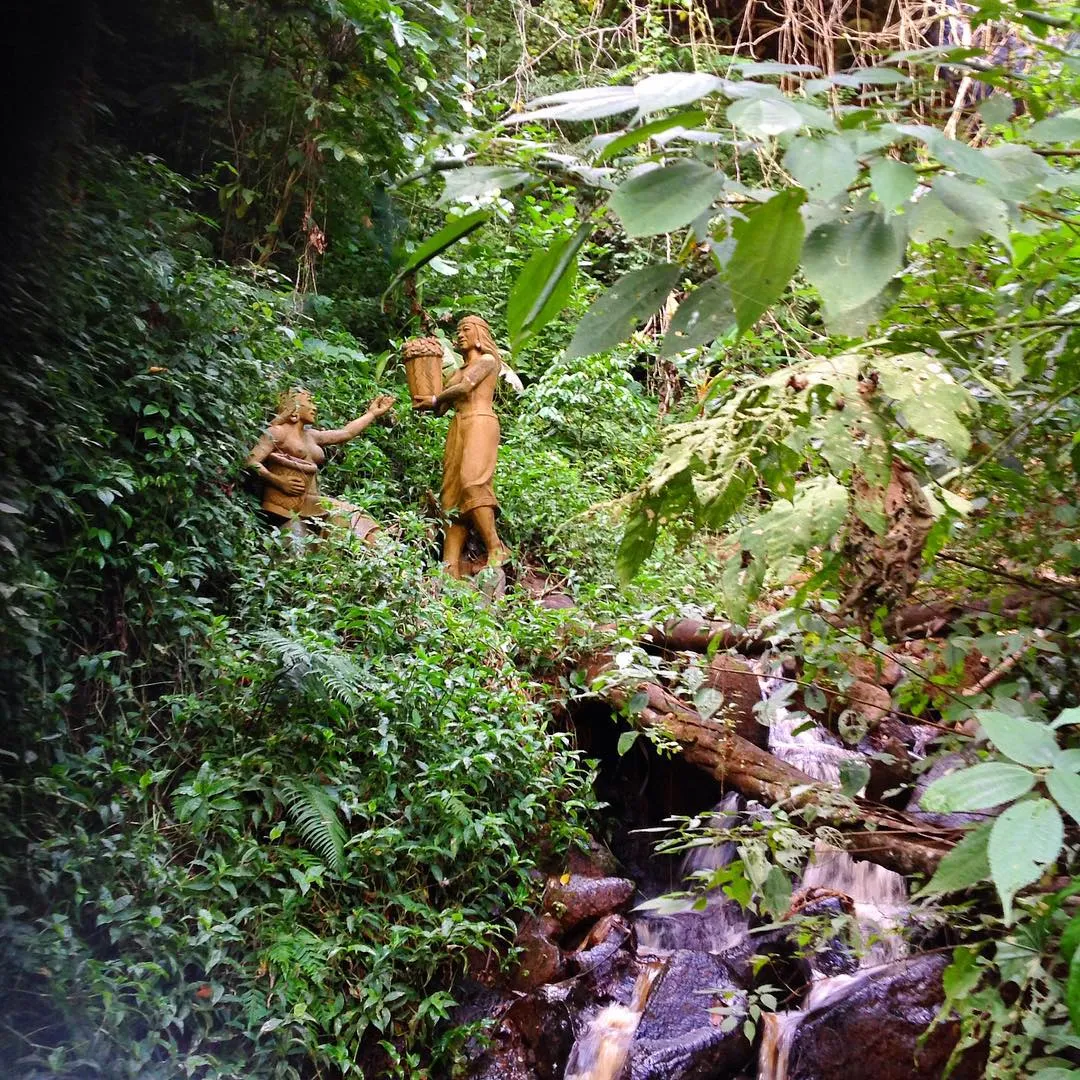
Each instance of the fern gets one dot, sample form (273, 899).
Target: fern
(314, 813)
(314, 666)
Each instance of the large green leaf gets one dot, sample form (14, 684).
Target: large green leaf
(672, 88)
(543, 286)
(930, 219)
(953, 153)
(449, 234)
(1023, 842)
(893, 182)
(966, 865)
(473, 181)
(929, 398)
(825, 167)
(851, 260)
(977, 787)
(1021, 171)
(977, 205)
(635, 136)
(707, 313)
(1065, 787)
(622, 308)
(762, 117)
(767, 248)
(591, 103)
(638, 540)
(1056, 129)
(1022, 740)
(666, 198)
(1072, 992)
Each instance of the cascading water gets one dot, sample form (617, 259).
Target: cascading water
(722, 922)
(879, 896)
(601, 1051)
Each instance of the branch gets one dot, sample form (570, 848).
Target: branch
(735, 762)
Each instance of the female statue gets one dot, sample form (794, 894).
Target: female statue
(472, 445)
(287, 458)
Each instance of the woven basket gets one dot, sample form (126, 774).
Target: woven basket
(423, 366)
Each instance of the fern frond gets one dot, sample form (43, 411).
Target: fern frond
(315, 815)
(314, 666)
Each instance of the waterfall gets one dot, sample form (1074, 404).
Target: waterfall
(879, 896)
(601, 1050)
(722, 923)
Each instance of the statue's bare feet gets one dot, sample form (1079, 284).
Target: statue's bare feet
(498, 555)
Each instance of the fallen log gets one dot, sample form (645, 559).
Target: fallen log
(887, 837)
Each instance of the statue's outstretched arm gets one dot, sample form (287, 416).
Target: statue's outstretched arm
(379, 407)
(471, 378)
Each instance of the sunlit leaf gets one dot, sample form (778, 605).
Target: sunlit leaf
(825, 167)
(977, 787)
(893, 182)
(474, 181)
(1023, 842)
(1025, 741)
(1065, 788)
(635, 136)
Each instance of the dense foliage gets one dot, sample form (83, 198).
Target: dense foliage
(267, 807)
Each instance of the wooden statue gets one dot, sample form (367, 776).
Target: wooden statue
(472, 445)
(287, 459)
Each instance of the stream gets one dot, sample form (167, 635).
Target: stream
(650, 995)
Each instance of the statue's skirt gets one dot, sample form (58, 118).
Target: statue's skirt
(472, 448)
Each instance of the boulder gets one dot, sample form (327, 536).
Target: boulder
(870, 1028)
(573, 898)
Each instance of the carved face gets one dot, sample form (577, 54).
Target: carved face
(467, 337)
(305, 408)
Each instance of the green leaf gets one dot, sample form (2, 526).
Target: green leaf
(666, 198)
(638, 540)
(1070, 938)
(543, 286)
(966, 865)
(1023, 842)
(1067, 717)
(591, 103)
(851, 260)
(930, 399)
(858, 77)
(930, 219)
(1055, 129)
(626, 740)
(1065, 787)
(762, 117)
(976, 205)
(854, 774)
(953, 153)
(767, 248)
(1072, 992)
(997, 109)
(474, 181)
(620, 309)
(977, 787)
(1021, 172)
(825, 167)
(707, 313)
(692, 118)
(1022, 740)
(893, 182)
(449, 234)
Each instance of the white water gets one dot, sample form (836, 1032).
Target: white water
(879, 896)
(600, 1052)
(722, 923)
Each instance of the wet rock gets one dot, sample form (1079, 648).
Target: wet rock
(678, 1038)
(541, 959)
(547, 1025)
(573, 901)
(597, 862)
(604, 938)
(870, 1029)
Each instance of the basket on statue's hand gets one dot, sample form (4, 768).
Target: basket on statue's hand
(423, 366)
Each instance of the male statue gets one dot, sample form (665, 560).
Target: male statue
(472, 445)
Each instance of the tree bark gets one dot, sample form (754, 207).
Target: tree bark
(887, 837)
